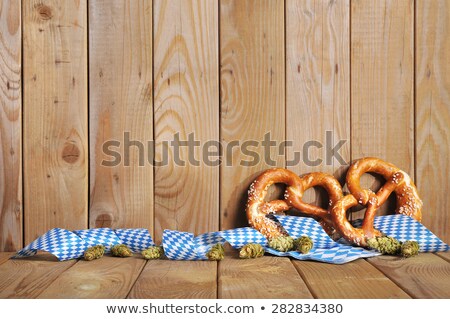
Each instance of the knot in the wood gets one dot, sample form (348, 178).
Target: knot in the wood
(70, 153)
(45, 12)
(103, 220)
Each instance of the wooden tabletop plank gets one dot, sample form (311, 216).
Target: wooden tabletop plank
(28, 277)
(169, 279)
(357, 279)
(4, 257)
(423, 276)
(445, 255)
(266, 277)
(107, 277)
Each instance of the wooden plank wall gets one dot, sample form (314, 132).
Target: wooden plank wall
(252, 72)
(120, 108)
(76, 75)
(55, 135)
(186, 89)
(11, 226)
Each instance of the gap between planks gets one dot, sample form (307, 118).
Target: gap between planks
(176, 279)
(424, 276)
(107, 277)
(266, 277)
(357, 279)
(28, 277)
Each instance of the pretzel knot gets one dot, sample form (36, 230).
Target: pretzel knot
(259, 211)
(397, 181)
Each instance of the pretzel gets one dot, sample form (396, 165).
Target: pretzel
(259, 211)
(408, 201)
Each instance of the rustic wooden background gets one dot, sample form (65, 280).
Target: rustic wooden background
(76, 73)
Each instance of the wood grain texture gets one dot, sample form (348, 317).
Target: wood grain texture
(382, 68)
(423, 276)
(444, 255)
(186, 102)
(356, 280)
(10, 126)
(265, 277)
(55, 115)
(252, 72)
(4, 256)
(120, 73)
(169, 279)
(28, 277)
(107, 277)
(318, 88)
(433, 113)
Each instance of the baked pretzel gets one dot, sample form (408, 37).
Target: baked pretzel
(408, 201)
(259, 211)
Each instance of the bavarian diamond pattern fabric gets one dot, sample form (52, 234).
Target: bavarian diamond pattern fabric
(325, 249)
(302, 226)
(405, 228)
(62, 243)
(178, 245)
(137, 239)
(240, 236)
(99, 236)
(204, 242)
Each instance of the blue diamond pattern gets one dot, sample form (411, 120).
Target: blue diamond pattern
(240, 236)
(178, 245)
(137, 239)
(60, 242)
(99, 236)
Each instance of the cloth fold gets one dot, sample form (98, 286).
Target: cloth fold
(179, 245)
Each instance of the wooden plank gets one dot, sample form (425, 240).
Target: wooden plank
(169, 279)
(55, 115)
(382, 109)
(318, 88)
(357, 280)
(252, 76)
(444, 255)
(4, 257)
(28, 277)
(11, 231)
(265, 277)
(107, 277)
(433, 113)
(120, 73)
(423, 276)
(186, 102)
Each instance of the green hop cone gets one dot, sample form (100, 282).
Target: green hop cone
(303, 244)
(216, 252)
(409, 248)
(155, 252)
(121, 250)
(94, 252)
(251, 251)
(385, 245)
(282, 243)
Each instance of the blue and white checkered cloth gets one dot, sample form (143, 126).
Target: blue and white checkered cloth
(178, 245)
(184, 246)
(66, 245)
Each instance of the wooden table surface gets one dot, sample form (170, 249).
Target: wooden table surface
(42, 276)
